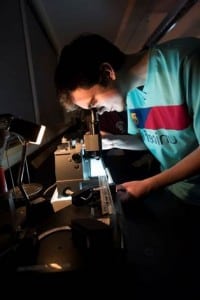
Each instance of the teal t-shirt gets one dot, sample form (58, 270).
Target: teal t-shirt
(166, 112)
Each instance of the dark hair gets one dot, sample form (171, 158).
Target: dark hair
(80, 61)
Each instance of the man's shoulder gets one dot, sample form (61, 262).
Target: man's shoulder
(176, 50)
(180, 42)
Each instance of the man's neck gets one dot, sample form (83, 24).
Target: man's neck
(139, 69)
(134, 71)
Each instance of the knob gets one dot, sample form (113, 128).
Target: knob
(77, 158)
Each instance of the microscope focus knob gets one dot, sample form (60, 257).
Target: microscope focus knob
(76, 158)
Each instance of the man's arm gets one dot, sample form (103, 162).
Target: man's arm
(186, 168)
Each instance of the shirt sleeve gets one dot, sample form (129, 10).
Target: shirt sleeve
(192, 89)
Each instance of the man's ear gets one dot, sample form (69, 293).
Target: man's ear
(107, 71)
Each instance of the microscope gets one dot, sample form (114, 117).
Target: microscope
(80, 170)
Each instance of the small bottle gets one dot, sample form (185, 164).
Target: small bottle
(4, 135)
(3, 184)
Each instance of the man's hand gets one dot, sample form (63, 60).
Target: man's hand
(107, 140)
(121, 141)
(133, 190)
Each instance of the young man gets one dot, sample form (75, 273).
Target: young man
(161, 88)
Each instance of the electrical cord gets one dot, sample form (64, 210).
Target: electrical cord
(49, 188)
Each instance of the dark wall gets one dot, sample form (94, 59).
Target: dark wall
(27, 65)
(15, 88)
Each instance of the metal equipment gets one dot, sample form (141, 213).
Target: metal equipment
(79, 167)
